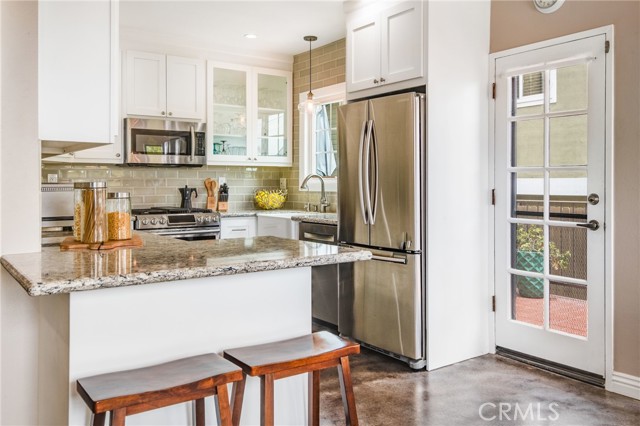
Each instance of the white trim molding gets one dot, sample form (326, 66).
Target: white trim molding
(624, 384)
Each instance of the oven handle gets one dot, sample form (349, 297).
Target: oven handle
(214, 232)
(193, 144)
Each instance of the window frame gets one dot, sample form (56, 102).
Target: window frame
(325, 95)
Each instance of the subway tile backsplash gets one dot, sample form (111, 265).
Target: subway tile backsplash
(155, 186)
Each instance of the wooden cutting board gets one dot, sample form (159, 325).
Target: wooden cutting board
(70, 244)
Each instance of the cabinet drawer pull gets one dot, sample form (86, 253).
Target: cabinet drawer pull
(382, 80)
(375, 81)
(162, 112)
(318, 237)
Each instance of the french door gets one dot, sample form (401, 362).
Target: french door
(550, 203)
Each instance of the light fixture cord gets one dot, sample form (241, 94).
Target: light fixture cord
(310, 92)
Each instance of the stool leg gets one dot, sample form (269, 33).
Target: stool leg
(117, 417)
(98, 419)
(266, 395)
(237, 393)
(200, 416)
(314, 398)
(346, 389)
(222, 406)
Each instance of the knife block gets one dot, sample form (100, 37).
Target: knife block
(223, 203)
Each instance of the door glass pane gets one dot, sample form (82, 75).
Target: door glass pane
(528, 94)
(568, 195)
(568, 252)
(568, 308)
(527, 302)
(529, 248)
(271, 125)
(568, 141)
(571, 88)
(229, 112)
(527, 189)
(527, 143)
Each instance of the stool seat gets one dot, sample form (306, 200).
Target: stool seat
(287, 354)
(135, 391)
(305, 354)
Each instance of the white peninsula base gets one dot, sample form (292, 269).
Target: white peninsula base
(92, 332)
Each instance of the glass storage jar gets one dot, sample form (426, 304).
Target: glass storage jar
(119, 215)
(89, 212)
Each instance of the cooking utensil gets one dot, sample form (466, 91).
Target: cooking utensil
(207, 185)
(212, 199)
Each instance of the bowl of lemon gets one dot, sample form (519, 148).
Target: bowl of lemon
(270, 199)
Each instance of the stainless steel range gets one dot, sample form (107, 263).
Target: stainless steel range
(176, 222)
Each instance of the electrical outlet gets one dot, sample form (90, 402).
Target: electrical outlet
(283, 183)
(222, 180)
(52, 178)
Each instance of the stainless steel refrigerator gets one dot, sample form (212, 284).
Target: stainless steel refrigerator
(381, 205)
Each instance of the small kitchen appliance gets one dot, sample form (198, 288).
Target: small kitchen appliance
(180, 223)
(164, 142)
(185, 193)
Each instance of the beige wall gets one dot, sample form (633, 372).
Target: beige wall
(517, 23)
(327, 68)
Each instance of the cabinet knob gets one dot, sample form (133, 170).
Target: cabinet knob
(375, 81)
(170, 114)
(118, 155)
(382, 80)
(162, 113)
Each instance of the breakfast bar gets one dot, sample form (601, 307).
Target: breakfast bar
(105, 311)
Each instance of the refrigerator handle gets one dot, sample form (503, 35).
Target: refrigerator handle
(360, 172)
(367, 170)
(374, 146)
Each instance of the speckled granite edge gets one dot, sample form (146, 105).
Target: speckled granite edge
(86, 283)
(316, 219)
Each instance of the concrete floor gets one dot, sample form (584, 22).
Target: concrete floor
(389, 393)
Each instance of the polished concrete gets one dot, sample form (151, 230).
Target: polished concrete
(489, 390)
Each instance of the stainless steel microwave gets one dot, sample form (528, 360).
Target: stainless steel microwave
(164, 143)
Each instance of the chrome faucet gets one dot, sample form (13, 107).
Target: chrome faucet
(323, 196)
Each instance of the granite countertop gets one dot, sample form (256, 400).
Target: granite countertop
(297, 215)
(161, 259)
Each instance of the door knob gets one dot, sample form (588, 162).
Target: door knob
(593, 225)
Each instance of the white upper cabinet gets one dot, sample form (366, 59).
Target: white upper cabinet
(385, 48)
(78, 69)
(165, 86)
(249, 119)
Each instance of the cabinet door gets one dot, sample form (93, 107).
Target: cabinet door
(77, 45)
(185, 88)
(272, 125)
(402, 47)
(146, 84)
(363, 52)
(228, 92)
(274, 226)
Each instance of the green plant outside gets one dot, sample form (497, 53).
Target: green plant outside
(530, 257)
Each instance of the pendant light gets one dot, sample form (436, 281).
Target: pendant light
(309, 103)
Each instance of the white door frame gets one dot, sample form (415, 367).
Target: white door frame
(608, 272)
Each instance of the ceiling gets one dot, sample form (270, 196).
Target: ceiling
(217, 24)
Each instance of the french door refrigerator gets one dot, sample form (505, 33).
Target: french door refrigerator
(381, 200)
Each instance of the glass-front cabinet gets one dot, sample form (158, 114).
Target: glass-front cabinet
(249, 116)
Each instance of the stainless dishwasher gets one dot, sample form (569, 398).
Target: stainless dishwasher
(324, 279)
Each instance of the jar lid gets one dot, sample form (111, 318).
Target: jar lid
(112, 195)
(89, 185)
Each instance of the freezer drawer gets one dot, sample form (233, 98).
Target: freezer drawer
(381, 302)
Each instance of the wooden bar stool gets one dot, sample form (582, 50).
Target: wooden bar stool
(305, 354)
(124, 393)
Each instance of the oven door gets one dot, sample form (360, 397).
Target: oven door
(160, 142)
(188, 234)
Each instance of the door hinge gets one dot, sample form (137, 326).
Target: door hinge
(607, 46)
(493, 197)
(493, 91)
(493, 303)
